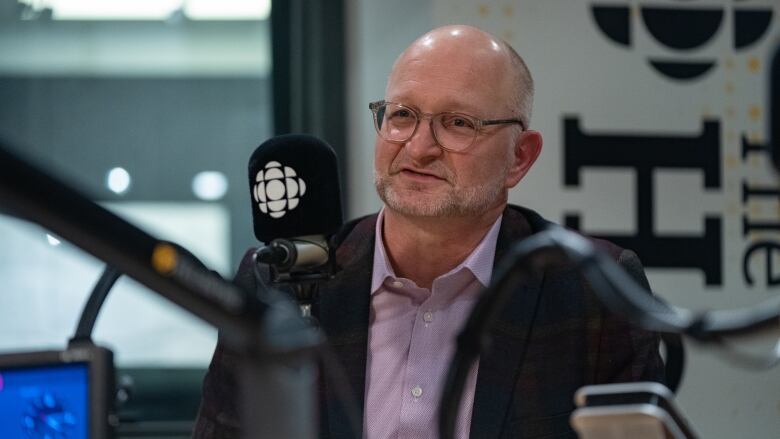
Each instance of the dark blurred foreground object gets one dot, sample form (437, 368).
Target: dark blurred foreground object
(614, 288)
(157, 403)
(275, 346)
(643, 410)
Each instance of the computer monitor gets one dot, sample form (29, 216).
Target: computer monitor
(57, 394)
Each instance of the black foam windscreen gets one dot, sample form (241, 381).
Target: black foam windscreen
(294, 186)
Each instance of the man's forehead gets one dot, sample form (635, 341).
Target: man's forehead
(459, 84)
(459, 58)
(443, 103)
(454, 53)
(442, 73)
(457, 37)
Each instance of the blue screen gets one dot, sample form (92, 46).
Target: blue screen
(44, 402)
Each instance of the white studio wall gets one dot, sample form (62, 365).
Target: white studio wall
(654, 115)
(46, 282)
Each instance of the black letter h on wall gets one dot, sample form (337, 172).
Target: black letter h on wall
(644, 154)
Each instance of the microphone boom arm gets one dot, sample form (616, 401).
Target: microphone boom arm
(614, 288)
(29, 193)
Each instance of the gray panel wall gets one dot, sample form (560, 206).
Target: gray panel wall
(162, 130)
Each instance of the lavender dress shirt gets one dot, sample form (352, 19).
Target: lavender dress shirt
(551, 338)
(411, 340)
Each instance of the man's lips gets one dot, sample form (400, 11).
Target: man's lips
(420, 175)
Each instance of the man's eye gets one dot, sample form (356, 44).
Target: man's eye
(402, 114)
(457, 122)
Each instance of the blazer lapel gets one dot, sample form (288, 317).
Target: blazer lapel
(343, 312)
(500, 362)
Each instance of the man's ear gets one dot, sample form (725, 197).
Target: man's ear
(526, 150)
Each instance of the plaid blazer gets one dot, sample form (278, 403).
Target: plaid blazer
(552, 338)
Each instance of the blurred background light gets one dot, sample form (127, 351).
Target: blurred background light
(227, 9)
(152, 9)
(52, 240)
(118, 180)
(107, 9)
(210, 185)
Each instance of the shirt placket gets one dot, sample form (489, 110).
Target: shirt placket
(418, 403)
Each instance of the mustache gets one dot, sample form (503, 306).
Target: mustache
(437, 168)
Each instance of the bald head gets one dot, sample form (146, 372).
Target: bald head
(490, 62)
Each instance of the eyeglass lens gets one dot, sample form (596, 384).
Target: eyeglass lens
(397, 123)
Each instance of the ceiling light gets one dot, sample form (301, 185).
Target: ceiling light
(210, 185)
(54, 242)
(227, 9)
(131, 10)
(118, 180)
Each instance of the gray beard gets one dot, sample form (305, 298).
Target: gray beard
(457, 202)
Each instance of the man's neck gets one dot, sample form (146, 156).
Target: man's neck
(423, 248)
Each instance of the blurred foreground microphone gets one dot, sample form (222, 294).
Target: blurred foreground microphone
(296, 206)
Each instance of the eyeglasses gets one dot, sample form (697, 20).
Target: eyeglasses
(452, 131)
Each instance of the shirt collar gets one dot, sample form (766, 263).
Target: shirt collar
(479, 262)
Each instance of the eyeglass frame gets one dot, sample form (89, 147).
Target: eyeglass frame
(374, 107)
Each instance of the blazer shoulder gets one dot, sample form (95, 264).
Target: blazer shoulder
(538, 223)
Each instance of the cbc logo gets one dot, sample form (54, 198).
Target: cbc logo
(278, 189)
(685, 29)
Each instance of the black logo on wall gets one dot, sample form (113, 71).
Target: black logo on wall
(645, 154)
(683, 29)
(755, 191)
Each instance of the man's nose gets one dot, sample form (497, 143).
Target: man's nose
(423, 146)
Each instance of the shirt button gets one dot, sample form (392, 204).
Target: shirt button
(428, 317)
(417, 391)
(398, 284)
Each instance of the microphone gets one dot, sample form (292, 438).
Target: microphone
(296, 206)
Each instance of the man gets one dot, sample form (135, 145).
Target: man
(453, 138)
